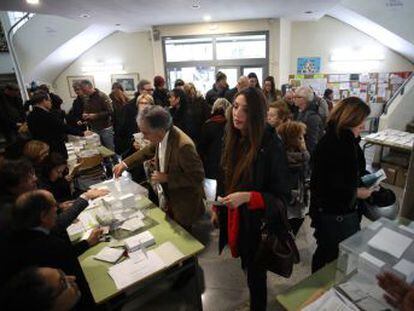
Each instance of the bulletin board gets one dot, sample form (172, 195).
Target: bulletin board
(370, 87)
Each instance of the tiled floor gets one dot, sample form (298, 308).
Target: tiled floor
(224, 281)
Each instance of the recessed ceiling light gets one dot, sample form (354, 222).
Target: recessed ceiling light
(32, 1)
(118, 25)
(85, 15)
(207, 18)
(308, 12)
(196, 4)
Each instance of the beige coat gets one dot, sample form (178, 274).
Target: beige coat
(184, 190)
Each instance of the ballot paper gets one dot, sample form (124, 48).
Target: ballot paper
(87, 220)
(109, 254)
(75, 228)
(331, 301)
(390, 242)
(137, 241)
(169, 253)
(134, 269)
(405, 267)
(371, 304)
(132, 224)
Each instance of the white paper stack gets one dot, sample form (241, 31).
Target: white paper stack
(132, 224)
(134, 269)
(128, 200)
(109, 202)
(109, 254)
(135, 242)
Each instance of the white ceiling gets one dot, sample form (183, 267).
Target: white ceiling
(133, 15)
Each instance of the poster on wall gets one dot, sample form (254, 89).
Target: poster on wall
(308, 65)
(128, 81)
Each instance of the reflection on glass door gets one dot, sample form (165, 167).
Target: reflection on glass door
(232, 75)
(202, 77)
(257, 70)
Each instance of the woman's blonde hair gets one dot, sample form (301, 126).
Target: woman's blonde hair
(146, 97)
(221, 104)
(348, 113)
(290, 132)
(33, 150)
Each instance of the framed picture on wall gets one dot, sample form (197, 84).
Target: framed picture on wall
(128, 81)
(72, 79)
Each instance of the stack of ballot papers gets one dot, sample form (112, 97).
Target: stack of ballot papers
(144, 239)
(331, 301)
(127, 201)
(132, 224)
(143, 263)
(109, 254)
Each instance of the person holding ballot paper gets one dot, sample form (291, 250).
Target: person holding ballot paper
(179, 170)
(338, 164)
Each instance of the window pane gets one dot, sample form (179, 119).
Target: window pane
(202, 77)
(238, 47)
(189, 49)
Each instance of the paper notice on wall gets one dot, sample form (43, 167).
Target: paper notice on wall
(382, 90)
(344, 78)
(364, 78)
(333, 78)
(383, 77)
(344, 86)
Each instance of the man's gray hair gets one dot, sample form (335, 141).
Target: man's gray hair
(156, 117)
(306, 92)
(84, 83)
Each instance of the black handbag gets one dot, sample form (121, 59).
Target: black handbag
(277, 250)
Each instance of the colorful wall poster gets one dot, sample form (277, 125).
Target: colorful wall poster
(308, 65)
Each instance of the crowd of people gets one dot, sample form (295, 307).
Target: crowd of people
(292, 154)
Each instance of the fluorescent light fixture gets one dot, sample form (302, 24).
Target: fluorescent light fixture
(361, 54)
(33, 2)
(207, 18)
(102, 67)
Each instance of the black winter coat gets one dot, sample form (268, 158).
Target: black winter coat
(214, 94)
(45, 126)
(338, 163)
(211, 143)
(270, 171)
(160, 97)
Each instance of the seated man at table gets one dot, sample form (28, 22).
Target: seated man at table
(45, 289)
(179, 169)
(33, 243)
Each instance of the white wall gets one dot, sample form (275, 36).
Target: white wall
(218, 28)
(285, 48)
(133, 50)
(6, 65)
(39, 37)
(321, 37)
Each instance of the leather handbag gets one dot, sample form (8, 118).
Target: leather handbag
(277, 251)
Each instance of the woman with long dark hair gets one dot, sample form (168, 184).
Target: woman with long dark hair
(337, 166)
(254, 170)
(179, 109)
(270, 91)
